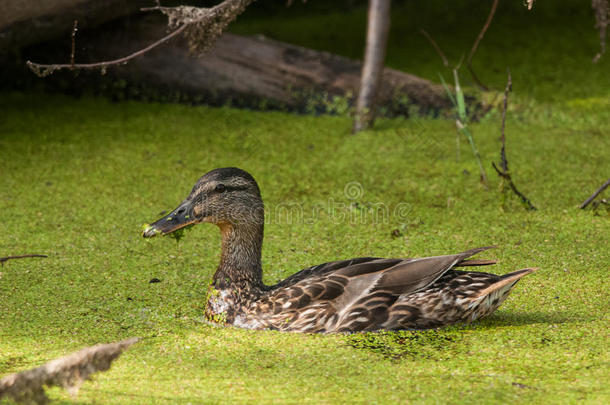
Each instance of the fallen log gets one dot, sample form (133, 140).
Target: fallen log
(248, 72)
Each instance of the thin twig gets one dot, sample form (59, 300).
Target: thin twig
(595, 194)
(528, 204)
(509, 85)
(475, 46)
(43, 70)
(157, 7)
(73, 51)
(437, 48)
(504, 173)
(4, 259)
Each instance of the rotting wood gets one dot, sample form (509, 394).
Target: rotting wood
(250, 71)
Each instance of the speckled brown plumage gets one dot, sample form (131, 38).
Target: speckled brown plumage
(344, 296)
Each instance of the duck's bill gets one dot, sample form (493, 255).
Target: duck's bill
(177, 219)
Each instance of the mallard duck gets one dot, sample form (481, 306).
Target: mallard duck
(362, 294)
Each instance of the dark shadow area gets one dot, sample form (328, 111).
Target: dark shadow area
(529, 318)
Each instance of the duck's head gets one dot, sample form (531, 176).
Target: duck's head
(228, 197)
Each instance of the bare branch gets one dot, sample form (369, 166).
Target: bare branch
(475, 46)
(595, 194)
(42, 70)
(201, 25)
(69, 372)
(4, 259)
(530, 4)
(438, 49)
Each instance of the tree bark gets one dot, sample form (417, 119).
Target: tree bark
(374, 57)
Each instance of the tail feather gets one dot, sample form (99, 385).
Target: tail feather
(488, 299)
(509, 279)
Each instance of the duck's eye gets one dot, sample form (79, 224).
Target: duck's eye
(220, 188)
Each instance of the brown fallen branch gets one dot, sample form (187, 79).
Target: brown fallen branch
(476, 43)
(69, 372)
(4, 259)
(201, 25)
(595, 194)
(504, 173)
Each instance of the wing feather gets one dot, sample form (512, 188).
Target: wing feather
(320, 270)
(413, 275)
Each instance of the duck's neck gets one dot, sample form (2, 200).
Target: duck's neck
(240, 262)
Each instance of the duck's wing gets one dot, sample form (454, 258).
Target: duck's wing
(337, 289)
(412, 275)
(320, 270)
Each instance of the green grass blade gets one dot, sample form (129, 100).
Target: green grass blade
(459, 94)
(448, 90)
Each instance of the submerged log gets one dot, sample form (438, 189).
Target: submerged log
(246, 71)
